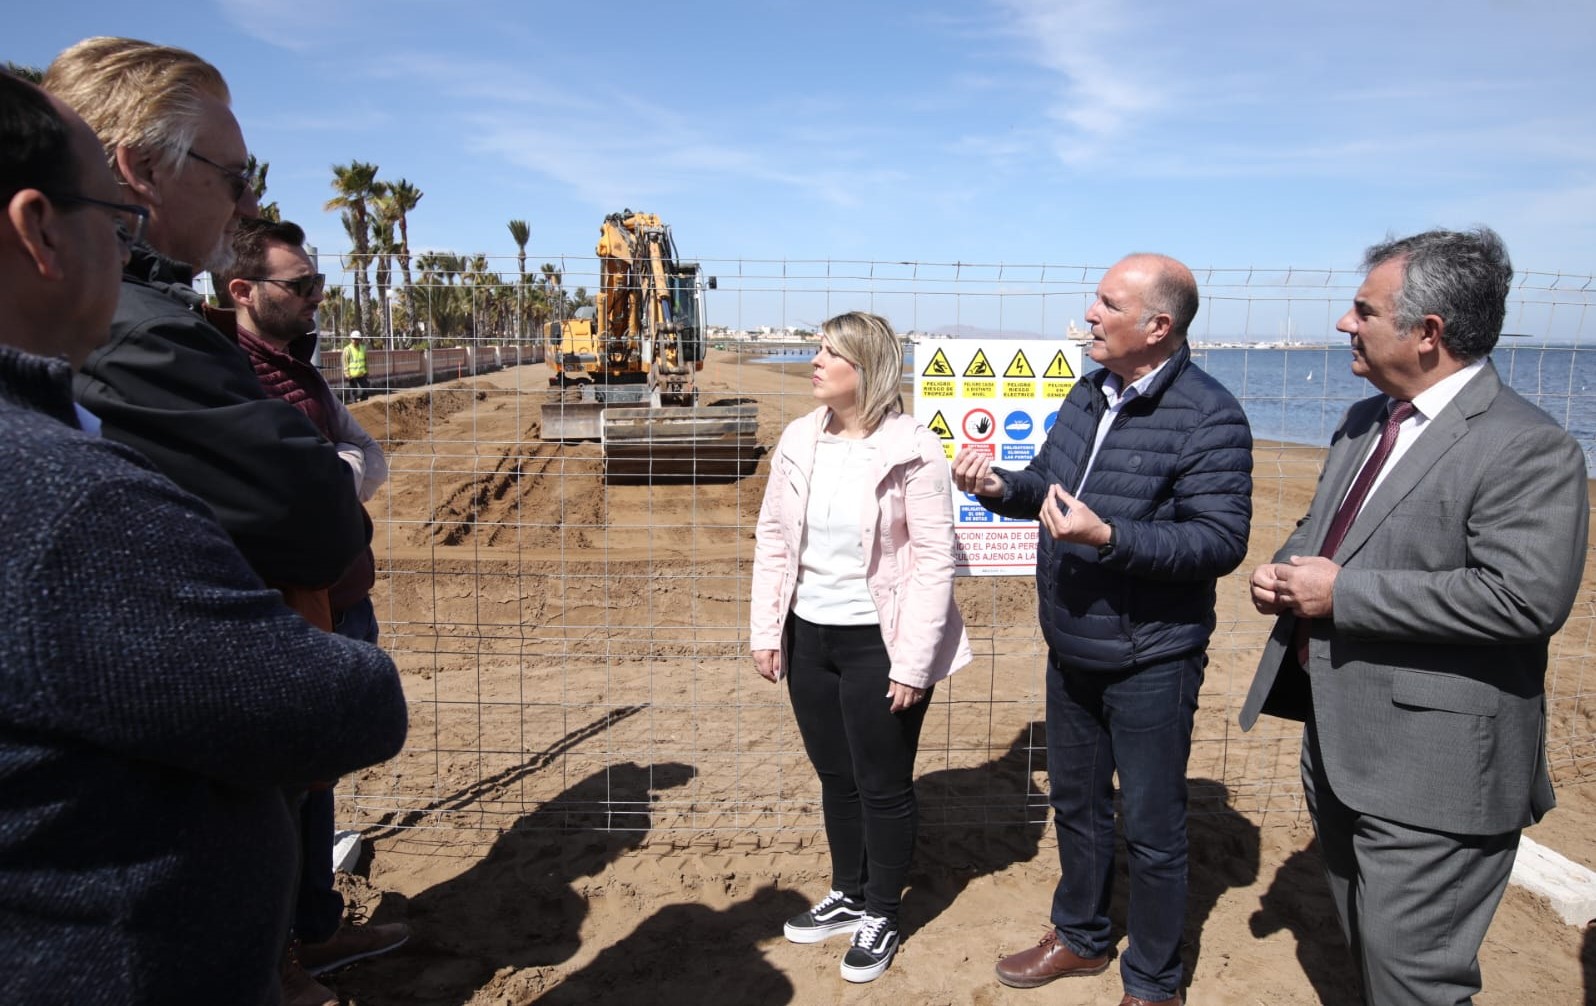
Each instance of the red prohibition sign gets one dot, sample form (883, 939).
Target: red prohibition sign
(979, 424)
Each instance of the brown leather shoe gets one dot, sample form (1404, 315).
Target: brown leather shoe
(298, 987)
(1131, 1000)
(1046, 961)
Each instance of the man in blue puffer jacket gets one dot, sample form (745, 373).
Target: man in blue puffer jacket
(1144, 491)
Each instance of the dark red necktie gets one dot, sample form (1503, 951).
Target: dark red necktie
(1342, 522)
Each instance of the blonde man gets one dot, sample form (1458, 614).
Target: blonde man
(171, 381)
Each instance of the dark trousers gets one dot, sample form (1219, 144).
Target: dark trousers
(863, 753)
(1137, 723)
(1414, 904)
(319, 908)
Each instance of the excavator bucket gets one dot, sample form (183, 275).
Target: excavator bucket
(715, 443)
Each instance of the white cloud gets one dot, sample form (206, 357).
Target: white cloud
(1102, 99)
(296, 25)
(613, 146)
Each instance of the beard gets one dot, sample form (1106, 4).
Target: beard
(277, 319)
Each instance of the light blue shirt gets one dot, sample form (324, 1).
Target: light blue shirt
(87, 420)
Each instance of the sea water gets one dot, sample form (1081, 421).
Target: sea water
(1298, 394)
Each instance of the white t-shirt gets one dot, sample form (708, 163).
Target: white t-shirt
(831, 561)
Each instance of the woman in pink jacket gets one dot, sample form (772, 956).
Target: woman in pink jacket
(853, 604)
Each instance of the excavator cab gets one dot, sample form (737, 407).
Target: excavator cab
(626, 375)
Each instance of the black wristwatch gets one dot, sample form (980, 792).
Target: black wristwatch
(1107, 548)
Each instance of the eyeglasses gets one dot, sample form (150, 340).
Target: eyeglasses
(240, 180)
(299, 286)
(130, 220)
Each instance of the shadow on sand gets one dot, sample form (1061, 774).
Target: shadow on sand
(689, 954)
(1298, 900)
(975, 822)
(522, 906)
(1587, 963)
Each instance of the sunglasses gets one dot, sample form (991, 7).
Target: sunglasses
(299, 286)
(130, 220)
(241, 181)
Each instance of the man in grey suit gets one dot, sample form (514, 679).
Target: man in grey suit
(1443, 548)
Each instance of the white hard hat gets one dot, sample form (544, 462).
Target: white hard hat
(354, 335)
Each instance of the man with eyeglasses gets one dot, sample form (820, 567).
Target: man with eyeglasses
(155, 695)
(275, 290)
(172, 380)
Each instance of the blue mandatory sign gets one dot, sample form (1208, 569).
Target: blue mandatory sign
(1017, 425)
(974, 515)
(1047, 424)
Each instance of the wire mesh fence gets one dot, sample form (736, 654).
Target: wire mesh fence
(575, 651)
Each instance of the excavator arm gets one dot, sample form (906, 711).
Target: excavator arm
(648, 345)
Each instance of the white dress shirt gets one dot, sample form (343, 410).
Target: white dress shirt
(1427, 404)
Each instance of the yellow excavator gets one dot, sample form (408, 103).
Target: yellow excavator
(625, 370)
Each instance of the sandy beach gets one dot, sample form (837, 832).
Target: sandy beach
(601, 801)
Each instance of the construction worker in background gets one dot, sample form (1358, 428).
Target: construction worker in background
(355, 368)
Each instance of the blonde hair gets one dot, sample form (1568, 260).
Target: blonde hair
(137, 94)
(868, 342)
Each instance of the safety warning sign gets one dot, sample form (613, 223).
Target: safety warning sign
(1003, 415)
(979, 425)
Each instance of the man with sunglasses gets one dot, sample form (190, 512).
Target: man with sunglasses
(275, 289)
(155, 695)
(172, 381)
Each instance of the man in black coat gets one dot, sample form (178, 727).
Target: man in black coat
(155, 696)
(172, 381)
(1144, 490)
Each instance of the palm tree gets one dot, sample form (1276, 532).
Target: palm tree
(31, 74)
(555, 296)
(256, 170)
(404, 197)
(438, 298)
(336, 313)
(520, 233)
(383, 248)
(356, 266)
(355, 184)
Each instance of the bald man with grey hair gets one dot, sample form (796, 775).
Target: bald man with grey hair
(1144, 492)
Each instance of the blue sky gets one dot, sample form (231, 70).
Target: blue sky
(986, 131)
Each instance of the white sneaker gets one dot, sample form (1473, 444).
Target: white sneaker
(874, 944)
(836, 913)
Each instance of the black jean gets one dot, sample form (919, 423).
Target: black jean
(863, 753)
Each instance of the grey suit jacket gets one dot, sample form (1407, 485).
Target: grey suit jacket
(1428, 680)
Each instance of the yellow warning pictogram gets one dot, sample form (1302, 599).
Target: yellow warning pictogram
(1059, 368)
(1020, 366)
(938, 367)
(940, 426)
(978, 367)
